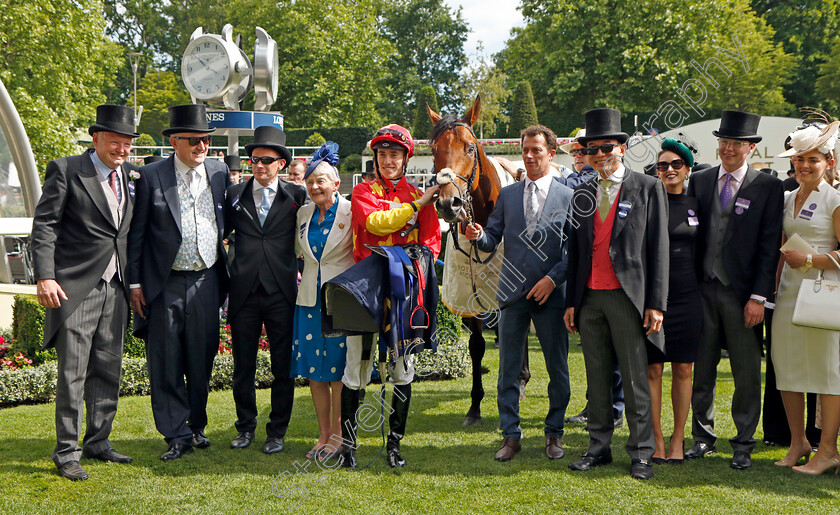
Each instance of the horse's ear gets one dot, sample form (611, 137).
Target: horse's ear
(471, 116)
(432, 115)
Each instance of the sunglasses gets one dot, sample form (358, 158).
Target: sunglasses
(194, 140)
(577, 152)
(392, 132)
(266, 160)
(676, 164)
(605, 148)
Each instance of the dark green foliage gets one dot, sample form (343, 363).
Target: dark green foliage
(28, 329)
(524, 112)
(351, 140)
(422, 122)
(133, 347)
(352, 164)
(315, 140)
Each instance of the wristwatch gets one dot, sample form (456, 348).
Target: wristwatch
(809, 261)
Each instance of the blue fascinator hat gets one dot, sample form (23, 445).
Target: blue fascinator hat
(328, 152)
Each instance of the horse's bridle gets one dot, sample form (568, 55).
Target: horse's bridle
(466, 195)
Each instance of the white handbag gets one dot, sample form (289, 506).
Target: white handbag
(818, 302)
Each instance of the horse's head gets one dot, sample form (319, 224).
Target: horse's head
(456, 156)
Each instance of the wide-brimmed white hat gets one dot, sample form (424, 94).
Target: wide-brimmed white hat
(812, 137)
(568, 146)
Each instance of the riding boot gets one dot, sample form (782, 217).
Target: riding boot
(399, 403)
(350, 400)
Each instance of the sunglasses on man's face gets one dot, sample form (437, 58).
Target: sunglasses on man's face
(266, 160)
(676, 164)
(605, 148)
(194, 140)
(577, 152)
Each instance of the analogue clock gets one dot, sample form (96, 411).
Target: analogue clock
(207, 67)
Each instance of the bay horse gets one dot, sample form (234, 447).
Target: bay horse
(470, 183)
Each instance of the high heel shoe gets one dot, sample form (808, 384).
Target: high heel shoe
(819, 465)
(677, 461)
(791, 461)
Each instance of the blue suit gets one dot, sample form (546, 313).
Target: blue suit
(526, 261)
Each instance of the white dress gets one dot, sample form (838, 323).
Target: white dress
(805, 359)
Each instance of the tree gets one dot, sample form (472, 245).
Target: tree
(55, 62)
(156, 91)
(806, 29)
(828, 83)
(484, 79)
(643, 57)
(524, 112)
(422, 123)
(428, 40)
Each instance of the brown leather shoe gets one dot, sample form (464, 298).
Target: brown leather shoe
(553, 448)
(510, 446)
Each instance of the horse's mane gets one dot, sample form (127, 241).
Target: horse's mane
(448, 121)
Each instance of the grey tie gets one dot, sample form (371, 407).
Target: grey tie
(264, 205)
(531, 209)
(192, 181)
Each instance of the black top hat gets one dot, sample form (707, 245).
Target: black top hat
(111, 118)
(187, 118)
(273, 138)
(234, 163)
(603, 124)
(152, 159)
(739, 125)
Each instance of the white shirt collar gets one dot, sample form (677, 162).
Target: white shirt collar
(183, 169)
(737, 175)
(257, 186)
(100, 166)
(543, 183)
(618, 175)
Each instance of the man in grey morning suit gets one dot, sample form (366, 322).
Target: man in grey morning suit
(617, 289)
(79, 249)
(534, 217)
(741, 213)
(178, 274)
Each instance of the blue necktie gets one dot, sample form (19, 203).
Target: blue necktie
(726, 191)
(264, 205)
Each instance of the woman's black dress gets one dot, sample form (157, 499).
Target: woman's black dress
(684, 316)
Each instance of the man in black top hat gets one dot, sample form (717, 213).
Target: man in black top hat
(263, 284)
(617, 288)
(737, 254)
(234, 164)
(178, 276)
(79, 250)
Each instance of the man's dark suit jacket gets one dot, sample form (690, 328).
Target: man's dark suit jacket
(263, 253)
(155, 235)
(638, 247)
(74, 235)
(752, 239)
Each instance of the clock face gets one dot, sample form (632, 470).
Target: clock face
(205, 68)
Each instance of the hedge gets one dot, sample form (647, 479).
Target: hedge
(28, 332)
(37, 383)
(351, 140)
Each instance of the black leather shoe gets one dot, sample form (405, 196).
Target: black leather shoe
(273, 445)
(110, 455)
(641, 469)
(741, 460)
(348, 457)
(587, 461)
(395, 459)
(242, 440)
(72, 471)
(175, 451)
(580, 418)
(200, 441)
(699, 450)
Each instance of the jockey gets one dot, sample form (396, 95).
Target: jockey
(387, 211)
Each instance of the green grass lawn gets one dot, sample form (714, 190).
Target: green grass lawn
(450, 468)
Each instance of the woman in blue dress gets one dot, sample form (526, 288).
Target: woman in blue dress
(325, 240)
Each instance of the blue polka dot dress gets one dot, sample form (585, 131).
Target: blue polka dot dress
(313, 356)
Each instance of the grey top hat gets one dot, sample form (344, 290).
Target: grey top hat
(234, 163)
(739, 125)
(187, 118)
(603, 124)
(113, 118)
(273, 138)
